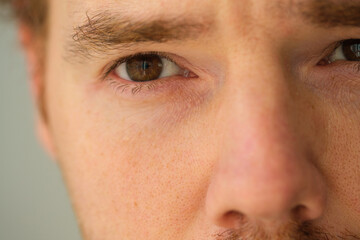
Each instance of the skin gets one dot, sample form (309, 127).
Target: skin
(263, 144)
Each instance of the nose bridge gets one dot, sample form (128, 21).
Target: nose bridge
(260, 140)
(263, 171)
(257, 104)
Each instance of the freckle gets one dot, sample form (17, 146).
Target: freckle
(135, 204)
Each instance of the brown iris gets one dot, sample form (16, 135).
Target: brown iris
(143, 68)
(351, 49)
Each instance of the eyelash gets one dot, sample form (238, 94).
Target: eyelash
(325, 61)
(137, 87)
(331, 50)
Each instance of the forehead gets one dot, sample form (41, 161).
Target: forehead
(244, 10)
(199, 8)
(120, 22)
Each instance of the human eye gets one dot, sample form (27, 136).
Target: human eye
(144, 72)
(347, 50)
(337, 74)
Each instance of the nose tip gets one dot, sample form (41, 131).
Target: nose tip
(291, 196)
(273, 202)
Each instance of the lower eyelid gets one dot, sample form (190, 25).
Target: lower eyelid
(337, 79)
(144, 90)
(342, 66)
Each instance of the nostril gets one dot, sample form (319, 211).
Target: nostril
(232, 219)
(299, 212)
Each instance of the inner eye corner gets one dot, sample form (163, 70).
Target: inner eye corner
(322, 63)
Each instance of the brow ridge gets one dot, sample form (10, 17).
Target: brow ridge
(331, 13)
(105, 32)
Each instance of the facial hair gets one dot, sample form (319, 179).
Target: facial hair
(291, 231)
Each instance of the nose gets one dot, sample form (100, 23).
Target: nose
(265, 170)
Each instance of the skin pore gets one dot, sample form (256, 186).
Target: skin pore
(258, 140)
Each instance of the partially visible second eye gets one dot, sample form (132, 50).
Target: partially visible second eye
(349, 50)
(148, 67)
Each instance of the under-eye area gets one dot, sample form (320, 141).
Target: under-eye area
(338, 73)
(191, 119)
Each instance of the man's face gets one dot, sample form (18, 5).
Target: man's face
(206, 119)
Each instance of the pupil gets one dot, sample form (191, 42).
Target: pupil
(144, 67)
(351, 49)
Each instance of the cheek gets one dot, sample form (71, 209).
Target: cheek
(129, 167)
(341, 165)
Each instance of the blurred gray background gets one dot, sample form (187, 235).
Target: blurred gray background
(33, 201)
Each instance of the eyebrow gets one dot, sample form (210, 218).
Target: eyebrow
(331, 13)
(104, 32)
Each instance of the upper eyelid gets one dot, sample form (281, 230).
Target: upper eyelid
(328, 51)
